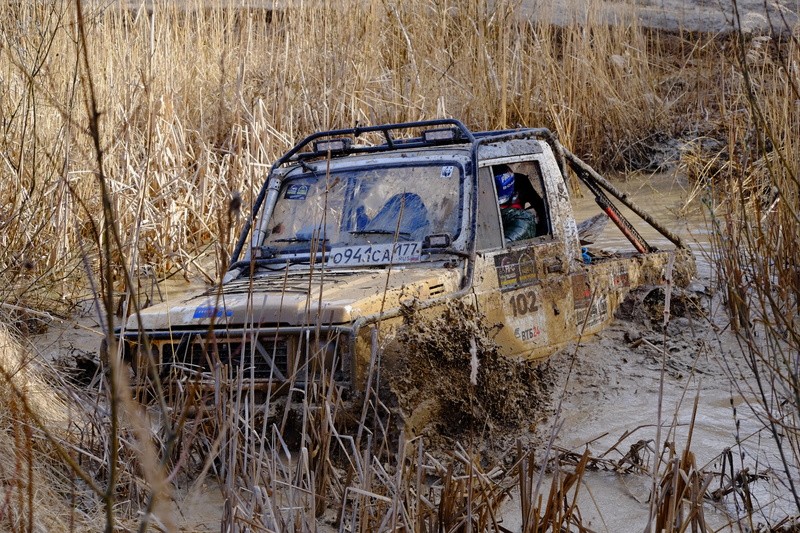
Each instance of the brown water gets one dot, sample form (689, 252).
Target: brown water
(617, 392)
(665, 197)
(612, 397)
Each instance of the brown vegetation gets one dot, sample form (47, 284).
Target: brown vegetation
(39, 489)
(126, 133)
(751, 185)
(193, 104)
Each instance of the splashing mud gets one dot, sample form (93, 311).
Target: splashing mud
(450, 381)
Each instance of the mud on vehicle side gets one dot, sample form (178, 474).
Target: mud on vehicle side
(355, 226)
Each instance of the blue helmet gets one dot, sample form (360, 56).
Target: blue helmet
(504, 181)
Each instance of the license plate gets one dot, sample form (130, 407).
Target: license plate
(375, 254)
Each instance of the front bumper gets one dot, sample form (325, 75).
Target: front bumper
(261, 357)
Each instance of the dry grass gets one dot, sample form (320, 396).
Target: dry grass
(195, 103)
(39, 490)
(751, 185)
(172, 112)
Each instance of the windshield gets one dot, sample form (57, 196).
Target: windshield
(366, 212)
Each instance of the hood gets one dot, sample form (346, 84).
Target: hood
(300, 298)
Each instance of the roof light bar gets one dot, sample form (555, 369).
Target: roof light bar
(440, 134)
(333, 145)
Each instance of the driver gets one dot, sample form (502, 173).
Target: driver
(407, 207)
(518, 223)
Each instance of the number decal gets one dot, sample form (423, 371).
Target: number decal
(523, 302)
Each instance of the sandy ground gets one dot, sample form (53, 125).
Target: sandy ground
(673, 15)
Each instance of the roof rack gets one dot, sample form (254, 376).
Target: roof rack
(325, 143)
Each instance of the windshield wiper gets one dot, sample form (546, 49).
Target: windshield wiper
(299, 239)
(405, 234)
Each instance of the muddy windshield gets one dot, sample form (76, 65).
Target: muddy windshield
(366, 216)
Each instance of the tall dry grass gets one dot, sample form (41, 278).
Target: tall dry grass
(751, 185)
(39, 424)
(194, 103)
(166, 114)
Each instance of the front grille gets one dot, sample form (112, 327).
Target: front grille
(267, 357)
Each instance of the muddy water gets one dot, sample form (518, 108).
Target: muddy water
(610, 394)
(665, 197)
(619, 392)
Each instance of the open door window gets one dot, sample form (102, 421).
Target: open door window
(524, 210)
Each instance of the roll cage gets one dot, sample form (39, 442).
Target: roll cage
(341, 143)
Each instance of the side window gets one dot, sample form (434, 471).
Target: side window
(489, 234)
(523, 203)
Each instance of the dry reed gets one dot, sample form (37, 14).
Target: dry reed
(37, 484)
(195, 103)
(190, 105)
(751, 185)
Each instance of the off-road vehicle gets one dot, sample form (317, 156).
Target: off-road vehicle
(355, 228)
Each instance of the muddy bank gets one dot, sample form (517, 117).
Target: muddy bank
(631, 392)
(674, 15)
(752, 16)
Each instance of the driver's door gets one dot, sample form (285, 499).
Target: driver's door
(523, 286)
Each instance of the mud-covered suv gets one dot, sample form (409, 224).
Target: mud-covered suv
(355, 228)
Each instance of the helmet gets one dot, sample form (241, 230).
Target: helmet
(504, 181)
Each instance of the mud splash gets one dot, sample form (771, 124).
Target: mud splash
(450, 381)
